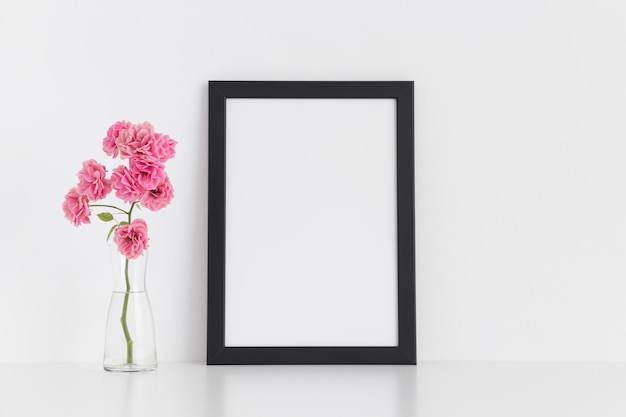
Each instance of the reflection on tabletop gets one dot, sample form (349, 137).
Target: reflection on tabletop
(430, 389)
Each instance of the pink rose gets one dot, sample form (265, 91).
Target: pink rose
(163, 147)
(125, 185)
(109, 144)
(159, 197)
(92, 180)
(122, 143)
(76, 207)
(147, 174)
(132, 239)
(136, 141)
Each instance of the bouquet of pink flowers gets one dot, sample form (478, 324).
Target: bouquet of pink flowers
(143, 182)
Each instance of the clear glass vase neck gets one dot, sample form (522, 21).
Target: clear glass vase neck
(130, 344)
(129, 275)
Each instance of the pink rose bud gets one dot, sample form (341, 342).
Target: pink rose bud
(158, 197)
(125, 185)
(147, 174)
(132, 239)
(109, 144)
(93, 181)
(76, 207)
(137, 141)
(163, 147)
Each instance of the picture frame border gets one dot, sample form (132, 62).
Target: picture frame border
(405, 351)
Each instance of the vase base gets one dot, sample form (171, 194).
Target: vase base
(130, 367)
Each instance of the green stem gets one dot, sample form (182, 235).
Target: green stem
(130, 210)
(113, 207)
(129, 341)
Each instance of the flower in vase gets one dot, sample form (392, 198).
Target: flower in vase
(125, 185)
(142, 182)
(132, 239)
(76, 207)
(158, 197)
(147, 174)
(92, 180)
(109, 143)
(163, 147)
(137, 141)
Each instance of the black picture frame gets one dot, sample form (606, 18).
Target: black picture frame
(405, 351)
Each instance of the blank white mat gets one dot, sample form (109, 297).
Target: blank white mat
(311, 241)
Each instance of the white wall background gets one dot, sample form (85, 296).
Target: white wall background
(520, 143)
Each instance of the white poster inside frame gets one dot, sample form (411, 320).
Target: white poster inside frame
(310, 222)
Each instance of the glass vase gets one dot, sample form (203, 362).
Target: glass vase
(130, 344)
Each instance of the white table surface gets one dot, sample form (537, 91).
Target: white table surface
(426, 390)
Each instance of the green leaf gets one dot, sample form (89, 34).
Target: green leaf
(123, 222)
(111, 231)
(105, 217)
